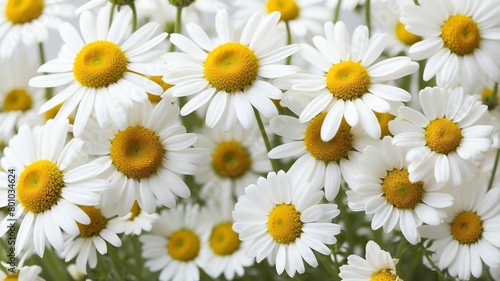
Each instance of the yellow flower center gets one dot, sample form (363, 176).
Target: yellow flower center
(40, 186)
(383, 120)
(17, 99)
(137, 152)
(223, 240)
(332, 150)
(348, 80)
(165, 86)
(99, 64)
(467, 228)
(442, 135)
(405, 36)
(183, 245)
(489, 99)
(231, 159)
(23, 11)
(97, 222)
(461, 34)
(399, 191)
(51, 114)
(288, 9)
(284, 223)
(13, 277)
(231, 67)
(383, 275)
(135, 210)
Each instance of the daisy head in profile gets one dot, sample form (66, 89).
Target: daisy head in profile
(229, 73)
(52, 183)
(452, 131)
(102, 68)
(378, 266)
(22, 273)
(459, 40)
(351, 85)
(283, 220)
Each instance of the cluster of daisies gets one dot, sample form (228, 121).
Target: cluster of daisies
(192, 140)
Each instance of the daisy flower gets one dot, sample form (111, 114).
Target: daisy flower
(460, 40)
(452, 131)
(134, 222)
(23, 273)
(318, 162)
(49, 185)
(224, 252)
(468, 235)
(237, 158)
(229, 74)
(302, 16)
(19, 102)
(91, 237)
(143, 159)
(352, 86)
(29, 22)
(386, 192)
(103, 69)
(173, 245)
(378, 265)
(282, 219)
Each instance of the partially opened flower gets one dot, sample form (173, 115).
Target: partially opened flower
(103, 68)
(23, 273)
(283, 220)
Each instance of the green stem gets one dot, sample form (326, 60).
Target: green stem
(495, 166)
(368, 15)
(41, 52)
(265, 138)
(288, 41)
(134, 16)
(401, 247)
(336, 14)
(111, 13)
(416, 2)
(434, 267)
(55, 266)
(177, 27)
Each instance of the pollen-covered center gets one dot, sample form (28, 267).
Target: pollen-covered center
(40, 186)
(97, 222)
(231, 67)
(284, 223)
(384, 275)
(399, 191)
(134, 211)
(99, 64)
(332, 150)
(467, 228)
(288, 9)
(165, 86)
(23, 11)
(224, 240)
(231, 159)
(405, 36)
(461, 34)
(13, 277)
(137, 152)
(17, 99)
(183, 245)
(348, 80)
(383, 120)
(51, 114)
(443, 135)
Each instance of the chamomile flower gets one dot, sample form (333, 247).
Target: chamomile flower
(469, 234)
(283, 220)
(134, 222)
(460, 40)
(378, 265)
(352, 86)
(237, 158)
(49, 185)
(452, 131)
(228, 73)
(224, 252)
(173, 245)
(318, 162)
(29, 22)
(23, 273)
(383, 189)
(144, 158)
(103, 68)
(19, 102)
(302, 16)
(91, 237)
